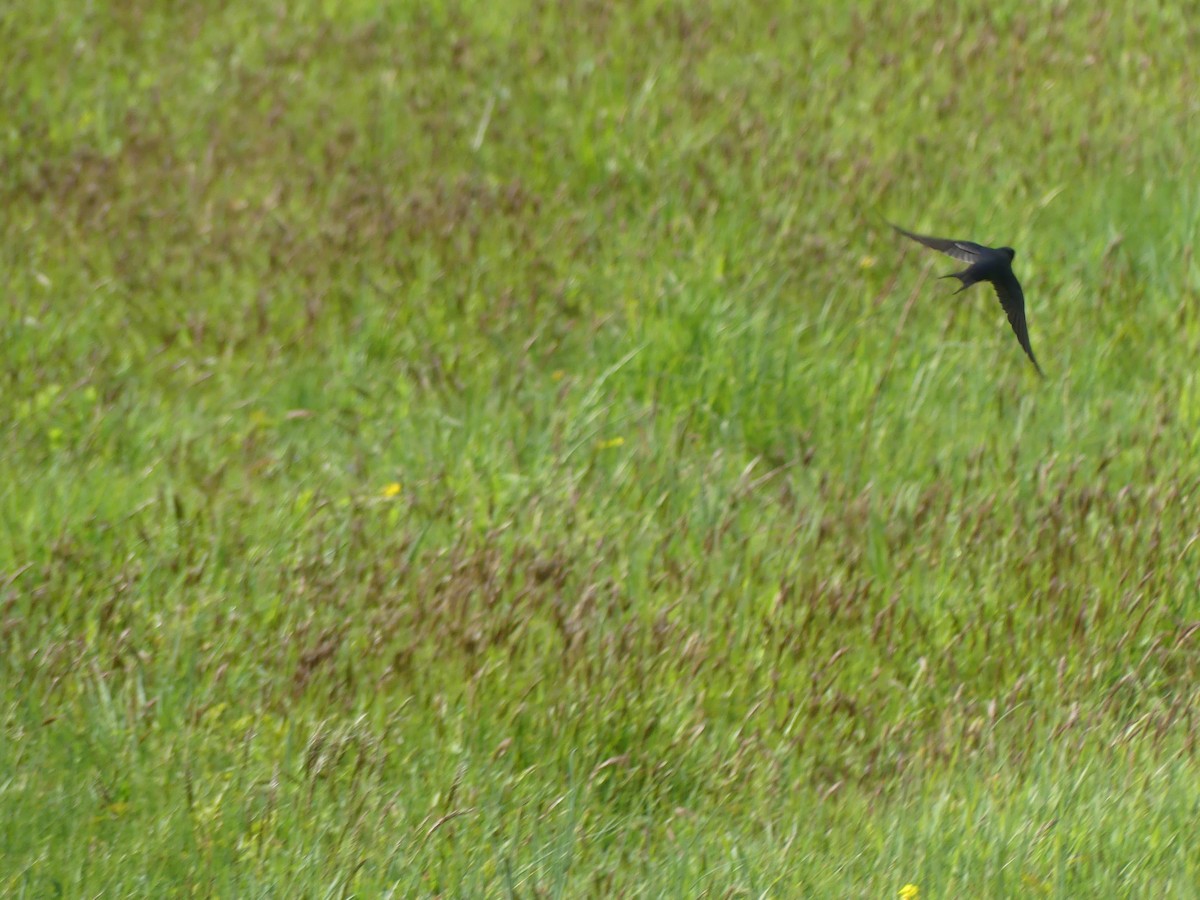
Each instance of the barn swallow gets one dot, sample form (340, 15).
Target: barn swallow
(992, 264)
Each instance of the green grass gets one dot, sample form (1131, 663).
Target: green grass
(729, 556)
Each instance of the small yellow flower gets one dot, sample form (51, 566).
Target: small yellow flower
(910, 892)
(557, 374)
(868, 262)
(392, 490)
(612, 442)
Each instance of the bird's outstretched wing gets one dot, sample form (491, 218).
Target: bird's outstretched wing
(966, 251)
(1012, 298)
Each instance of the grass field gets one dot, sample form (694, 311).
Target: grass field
(501, 450)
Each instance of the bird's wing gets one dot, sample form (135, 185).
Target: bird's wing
(1012, 298)
(963, 250)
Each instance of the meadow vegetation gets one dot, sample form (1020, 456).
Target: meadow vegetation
(500, 450)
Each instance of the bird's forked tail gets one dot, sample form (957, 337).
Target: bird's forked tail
(961, 276)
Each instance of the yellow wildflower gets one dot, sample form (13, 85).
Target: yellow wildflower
(391, 490)
(910, 892)
(612, 442)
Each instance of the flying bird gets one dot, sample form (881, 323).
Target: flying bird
(992, 264)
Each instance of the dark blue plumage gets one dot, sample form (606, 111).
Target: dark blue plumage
(992, 264)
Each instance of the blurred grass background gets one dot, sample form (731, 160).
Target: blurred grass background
(464, 449)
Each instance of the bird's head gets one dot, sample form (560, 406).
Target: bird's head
(1009, 252)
